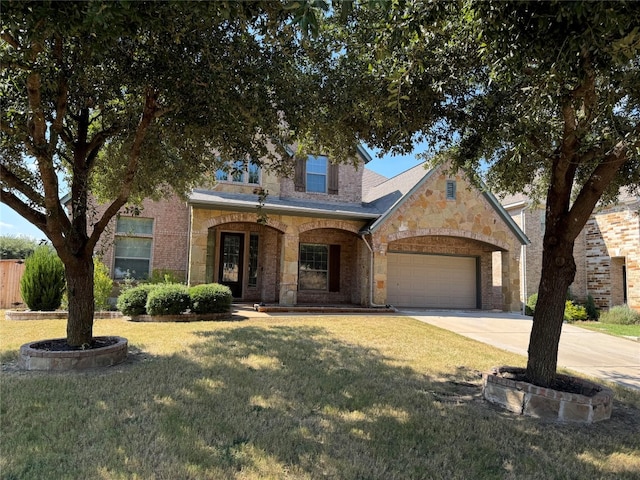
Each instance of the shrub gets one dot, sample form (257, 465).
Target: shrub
(43, 281)
(574, 312)
(134, 300)
(210, 298)
(161, 275)
(592, 311)
(531, 304)
(102, 285)
(621, 315)
(168, 299)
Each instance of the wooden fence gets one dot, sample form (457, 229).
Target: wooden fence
(10, 274)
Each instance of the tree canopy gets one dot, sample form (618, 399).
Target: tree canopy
(128, 100)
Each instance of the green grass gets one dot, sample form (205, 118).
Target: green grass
(290, 397)
(611, 328)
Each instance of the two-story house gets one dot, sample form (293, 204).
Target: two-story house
(335, 234)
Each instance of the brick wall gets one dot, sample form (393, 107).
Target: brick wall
(169, 249)
(349, 187)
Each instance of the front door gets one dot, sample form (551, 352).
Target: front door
(231, 252)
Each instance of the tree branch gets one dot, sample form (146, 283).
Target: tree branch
(10, 39)
(149, 114)
(38, 219)
(13, 181)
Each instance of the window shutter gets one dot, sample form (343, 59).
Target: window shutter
(300, 174)
(334, 268)
(332, 181)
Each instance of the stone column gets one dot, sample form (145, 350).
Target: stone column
(289, 269)
(197, 252)
(380, 274)
(511, 281)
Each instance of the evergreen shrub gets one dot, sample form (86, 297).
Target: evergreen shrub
(133, 301)
(102, 285)
(168, 299)
(592, 311)
(210, 298)
(43, 282)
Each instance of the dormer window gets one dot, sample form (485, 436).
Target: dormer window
(240, 172)
(316, 174)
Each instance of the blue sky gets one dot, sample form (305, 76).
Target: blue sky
(13, 224)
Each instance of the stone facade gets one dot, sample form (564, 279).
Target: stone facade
(188, 237)
(607, 252)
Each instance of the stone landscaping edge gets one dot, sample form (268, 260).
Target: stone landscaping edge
(183, 317)
(545, 403)
(32, 358)
(53, 315)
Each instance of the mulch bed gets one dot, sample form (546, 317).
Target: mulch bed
(61, 345)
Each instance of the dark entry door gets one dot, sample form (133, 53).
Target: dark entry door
(231, 252)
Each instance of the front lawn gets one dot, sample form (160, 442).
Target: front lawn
(300, 397)
(611, 328)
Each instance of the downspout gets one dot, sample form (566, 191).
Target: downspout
(371, 304)
(188, 265)
(523, 262)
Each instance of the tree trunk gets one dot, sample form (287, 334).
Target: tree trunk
(558, 272)
(79, 274)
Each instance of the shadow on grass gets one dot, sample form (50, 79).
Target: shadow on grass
(289, 402)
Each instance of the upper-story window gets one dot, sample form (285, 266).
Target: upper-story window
(316, 174)
(134, 237)
(240, 171)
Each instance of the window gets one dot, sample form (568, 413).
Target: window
(253, 260)
(317, 174)
(314, 267)
(133, 247)
(451, 189)
(239, 172)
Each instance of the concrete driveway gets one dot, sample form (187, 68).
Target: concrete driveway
(591, 353)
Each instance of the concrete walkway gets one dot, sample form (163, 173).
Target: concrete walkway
(591, 353)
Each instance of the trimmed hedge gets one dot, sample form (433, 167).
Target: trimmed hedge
(134, 300)
(168, 299)
(210, 298)
(574, 312)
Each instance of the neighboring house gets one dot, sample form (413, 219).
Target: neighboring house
(335, 234)
(607, 251)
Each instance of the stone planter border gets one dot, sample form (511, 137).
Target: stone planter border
(183, 317)
(56, 315)
(37, 359)
(545, 403)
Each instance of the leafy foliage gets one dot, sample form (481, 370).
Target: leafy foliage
(133, 301)
(102, 285)
(43, 283)
(168, 299)
(592, 311)
(574, 312)
(138, 99)
(160, 275)
(210, 298)
(16, 247)
(621, 315)
(531, 304)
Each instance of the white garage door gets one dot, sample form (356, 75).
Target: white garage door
(431, 281)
